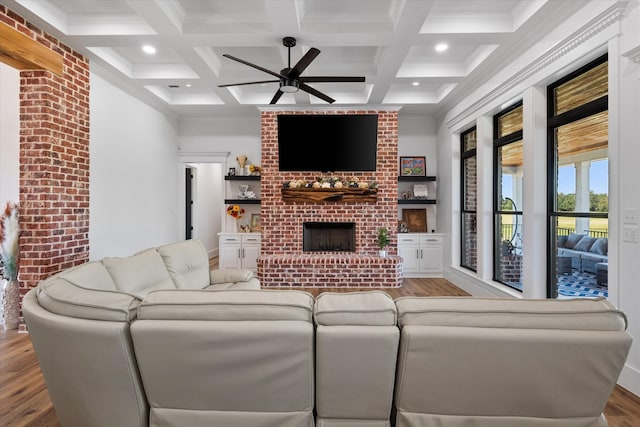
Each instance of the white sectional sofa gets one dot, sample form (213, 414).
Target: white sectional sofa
(119, 347)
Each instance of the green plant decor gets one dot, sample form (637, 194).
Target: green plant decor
(382, 239)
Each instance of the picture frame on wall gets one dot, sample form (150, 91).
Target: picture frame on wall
(413, 166)
(415, 219)
(255, 222)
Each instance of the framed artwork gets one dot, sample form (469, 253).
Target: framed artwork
(255, 222)
(413, 166)
(416, 220)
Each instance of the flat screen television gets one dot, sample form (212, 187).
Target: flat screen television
(327, 142)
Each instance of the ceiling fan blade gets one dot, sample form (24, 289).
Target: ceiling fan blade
(331, 79)
(242, 61)
(317, 93)
(249, 83)
(276, 97)
(304, 62)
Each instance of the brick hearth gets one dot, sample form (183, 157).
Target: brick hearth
(282, 261)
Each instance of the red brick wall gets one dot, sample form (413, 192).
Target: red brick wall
(282, 262)
(281, 223)
(54, 161)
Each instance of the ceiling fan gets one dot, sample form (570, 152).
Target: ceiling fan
(290, 79)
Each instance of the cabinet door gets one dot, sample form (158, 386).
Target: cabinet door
(431, 254)
(230, 255)
(408, 250)
(250, 253)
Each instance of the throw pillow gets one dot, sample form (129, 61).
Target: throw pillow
(600, 246)
(584, 244)
(572, 240)
(562, 240)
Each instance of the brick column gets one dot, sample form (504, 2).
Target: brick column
(54, 161)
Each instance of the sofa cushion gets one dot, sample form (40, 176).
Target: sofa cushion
(373, 308)
(227, 305)
(562, 240)
(584, 244)
(187, 263)
(62, 297)
(140, 273)
(600, 246)
(594, 314)
(230, 275)
(572, 240)
(92, 275)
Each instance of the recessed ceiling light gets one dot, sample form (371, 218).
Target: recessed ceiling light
(188, 85)
(148, 49)
(441, 47)
(416, 83)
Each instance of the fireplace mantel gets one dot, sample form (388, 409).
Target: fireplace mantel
(324, 195)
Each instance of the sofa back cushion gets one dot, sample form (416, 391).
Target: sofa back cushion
(584, 244)
(227, 358)
(592, 314)
(507, 362)
(92, 275)
(600, 246)
(140, 273)
(227, 305)
(58, 295)
(573, 240)
(187, 263)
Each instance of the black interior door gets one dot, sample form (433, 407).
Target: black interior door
(188, 205)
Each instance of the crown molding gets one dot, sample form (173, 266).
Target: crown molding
(598, 24)
(633, 55)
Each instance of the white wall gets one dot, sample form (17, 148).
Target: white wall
(237, 135)
(626, 178)
(206, 207)
(588, 34)
(9, 134)
(133, 174)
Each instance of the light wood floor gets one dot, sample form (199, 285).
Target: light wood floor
(24, 400)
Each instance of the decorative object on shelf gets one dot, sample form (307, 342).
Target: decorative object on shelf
(333, 189)
(245, 193)
(382, 240)
(242, 161)
(236, 212)
(402, 227)
(416, 220)
(255, 222)
(232, 172)
(9, 246)
(245, 228)
(254, 170)
(413, 166)
(420, 191)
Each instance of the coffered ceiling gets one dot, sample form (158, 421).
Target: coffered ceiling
(392, 43)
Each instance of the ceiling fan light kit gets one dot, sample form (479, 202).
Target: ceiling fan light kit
(290, 79)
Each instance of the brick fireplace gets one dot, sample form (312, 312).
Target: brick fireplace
(283, 262)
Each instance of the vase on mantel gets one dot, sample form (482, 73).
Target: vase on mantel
(10, 304)
(235, 225)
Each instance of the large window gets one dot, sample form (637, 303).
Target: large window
(469, 168)
(508, 177)
(578, 195)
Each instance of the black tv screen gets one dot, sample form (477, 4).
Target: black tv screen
(327, 142)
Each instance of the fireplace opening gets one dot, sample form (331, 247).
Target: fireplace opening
(329, 237)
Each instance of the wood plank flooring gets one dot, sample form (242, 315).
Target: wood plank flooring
(24, 401)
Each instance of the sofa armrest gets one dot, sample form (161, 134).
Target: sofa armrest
(230, 275)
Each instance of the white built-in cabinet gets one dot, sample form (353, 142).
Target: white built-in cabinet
(239, 250)
(421, 253)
